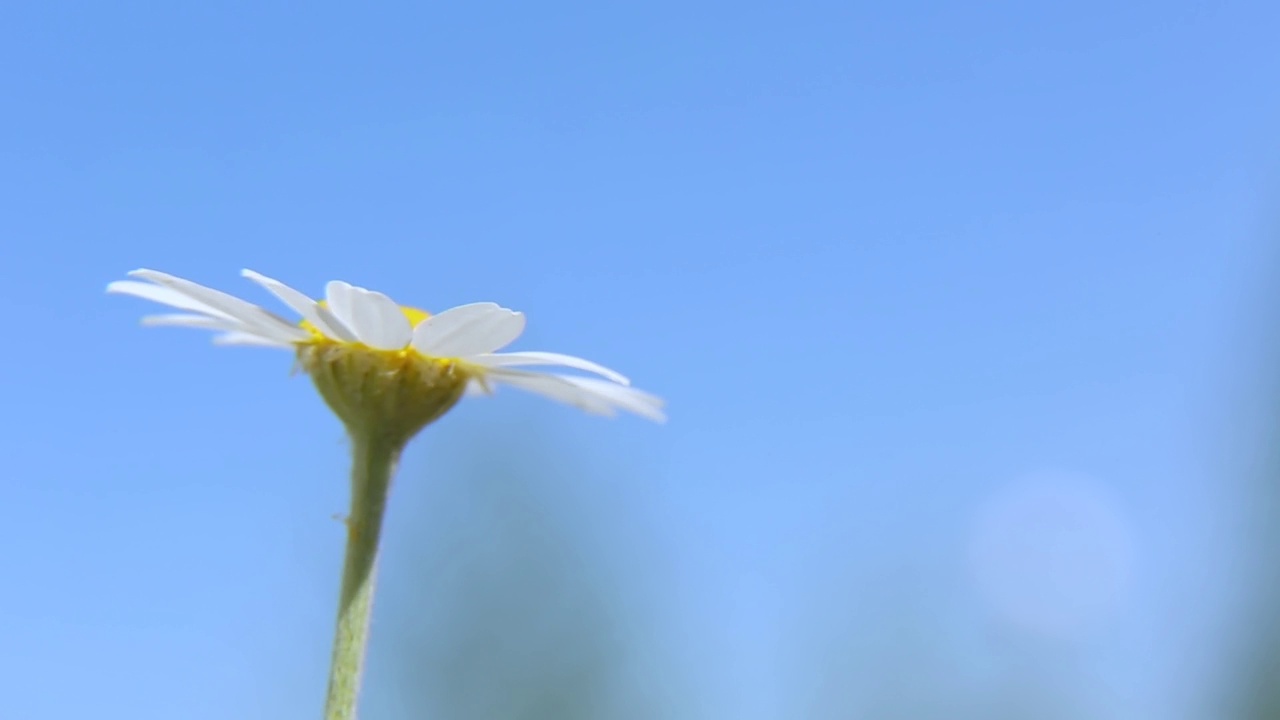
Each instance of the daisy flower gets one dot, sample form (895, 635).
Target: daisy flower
(414, 364)
(386, 371)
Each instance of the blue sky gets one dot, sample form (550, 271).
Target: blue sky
(889, 264)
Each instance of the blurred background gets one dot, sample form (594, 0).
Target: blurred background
(966, 317)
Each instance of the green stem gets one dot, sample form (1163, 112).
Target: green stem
(374, 464)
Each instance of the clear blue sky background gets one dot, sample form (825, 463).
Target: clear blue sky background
(886, 261)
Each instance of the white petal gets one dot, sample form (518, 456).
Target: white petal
(232, 332)
(204, 322)
(476, 388)
(378, 321)
(251, 315)
(557, 389)
(164, 295)
(630, 399)
(599, 397)
(249, 338)
(468, 330)
(317, 315)
(338, 294)
(534, 357)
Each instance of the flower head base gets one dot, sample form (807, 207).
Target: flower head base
(391, 394)
(384, 368)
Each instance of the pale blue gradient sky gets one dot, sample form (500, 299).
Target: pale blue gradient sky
(884, 260)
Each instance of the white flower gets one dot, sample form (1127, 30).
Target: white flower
(354, 330)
